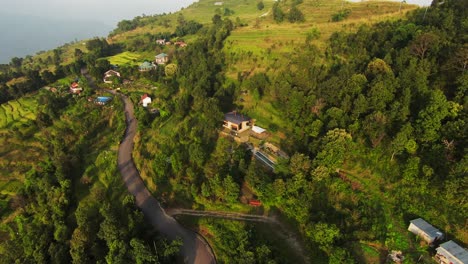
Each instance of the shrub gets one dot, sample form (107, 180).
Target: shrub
(260, 5)
(295, 15)
(341, 15)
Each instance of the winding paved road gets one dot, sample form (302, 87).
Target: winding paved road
(194, 249)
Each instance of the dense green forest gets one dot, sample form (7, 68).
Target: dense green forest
(374, 124)
(376, 130)
(72, 205)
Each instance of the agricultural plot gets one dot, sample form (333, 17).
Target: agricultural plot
(263, 38)
(17, 111)
(17, 154)
(124, 58)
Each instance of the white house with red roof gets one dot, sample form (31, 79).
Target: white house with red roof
(145, 100)
(75, 88)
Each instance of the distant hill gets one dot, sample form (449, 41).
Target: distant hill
(25, 35)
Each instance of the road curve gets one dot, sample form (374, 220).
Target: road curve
(195, 250)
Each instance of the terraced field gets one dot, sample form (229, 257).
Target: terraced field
(20, 149)
(126, 57)
(17, 111)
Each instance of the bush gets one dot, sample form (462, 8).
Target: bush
(260, 5)
(341, 15)
(295, 15)
(278, 14)
(273, 127)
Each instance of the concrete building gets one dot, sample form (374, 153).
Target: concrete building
(425, 230)
(451, 253)
(237, 122)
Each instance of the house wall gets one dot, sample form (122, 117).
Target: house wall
(244, 126)
(241, 128)
(415, 230)
(162, 60)
(442, 259)
(146, 101)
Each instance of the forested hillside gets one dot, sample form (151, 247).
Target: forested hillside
(375, 126)
(366, 124)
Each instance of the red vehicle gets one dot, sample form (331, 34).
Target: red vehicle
(255, 203)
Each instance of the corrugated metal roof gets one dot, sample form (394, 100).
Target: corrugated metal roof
(103, 99)
(453, 252)
(146, 65)
(236, 118)
(162, 55)
(258, 129)
(426, 228)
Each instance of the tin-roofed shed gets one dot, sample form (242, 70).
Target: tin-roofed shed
(425, 230)
(450, 252)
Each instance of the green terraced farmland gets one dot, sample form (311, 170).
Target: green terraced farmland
(21, 110)
(127, 57)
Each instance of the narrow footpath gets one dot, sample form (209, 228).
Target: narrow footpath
(194, 249)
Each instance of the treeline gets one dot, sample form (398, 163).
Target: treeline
(139, 21)
(183, 27)
(147, 41)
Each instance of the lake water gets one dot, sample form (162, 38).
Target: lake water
(29, 26)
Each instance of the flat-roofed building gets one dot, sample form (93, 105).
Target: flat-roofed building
(451, 253)
(425, 230)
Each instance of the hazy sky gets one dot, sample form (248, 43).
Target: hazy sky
(417, 2)
(107, 11)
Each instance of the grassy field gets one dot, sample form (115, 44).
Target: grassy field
(247, 11)
(261, 31)
(262, 41)
(264, 36)
(126, 58)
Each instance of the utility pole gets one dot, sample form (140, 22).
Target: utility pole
(401, 3)
(425, 12)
